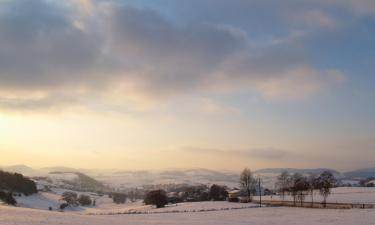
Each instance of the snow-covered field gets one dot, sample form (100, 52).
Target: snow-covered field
(218, 213)
(254, 216)
(139, 207)
(44, 200)
(105, 205)
(207, 213)
(340, 195)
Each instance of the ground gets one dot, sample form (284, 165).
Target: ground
(254, 216)
(200, 213)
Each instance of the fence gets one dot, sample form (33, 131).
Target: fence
(307, 204)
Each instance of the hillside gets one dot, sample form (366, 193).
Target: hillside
(76, 181)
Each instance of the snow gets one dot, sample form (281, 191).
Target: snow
(208, 213)
(44, 200)
(63, 176)
(41, 200)
(139, 207)
(105, 205)
(254, 216)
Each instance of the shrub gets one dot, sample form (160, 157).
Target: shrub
(70, 198)
(174, 199)
(84, 200)
(235, 199)
(63, 206)
(7, 197)
(119, 198)
(218, 193)
(157, 198)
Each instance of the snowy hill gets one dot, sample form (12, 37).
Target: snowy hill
(18, 169)
(361, 173)
(73, 180)
(128, 179)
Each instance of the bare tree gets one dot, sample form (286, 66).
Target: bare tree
(326, 181)
(298, 187)
(302, 186)
(312, 180)
(283, 183)
(247, 182)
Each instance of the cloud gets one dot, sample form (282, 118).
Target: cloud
(259, 153)
(109, 46)
(299, 83)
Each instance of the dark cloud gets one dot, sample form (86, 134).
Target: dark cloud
(39, 46)
(48, 46)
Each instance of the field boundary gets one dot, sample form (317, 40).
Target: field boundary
(130, 212)
(328, 205)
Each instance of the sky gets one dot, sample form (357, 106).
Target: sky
(218, 84)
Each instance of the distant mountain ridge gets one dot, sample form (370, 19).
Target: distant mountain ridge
(17, 169)
(361, 173)
(121, 178)
(336, 173)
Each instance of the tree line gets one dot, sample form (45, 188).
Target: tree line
(299, 186)
(15, 182)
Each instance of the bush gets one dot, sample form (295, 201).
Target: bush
(70, 198)
(204, 196)
(7, 197)
(217, 193)
(157, 198)
(63, 206)
(84, 200)
(235, 199)
(174, 199)
(119, 198)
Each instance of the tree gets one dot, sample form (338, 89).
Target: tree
(217, 193)
(70, 198)
(298, 187)
(119, 198)
(283, 183)
(302, 186)
(15, 182)
(313, 183)
(7, 198)
(247, 182)
(84, 200)
(326, 181)
(157, 198)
